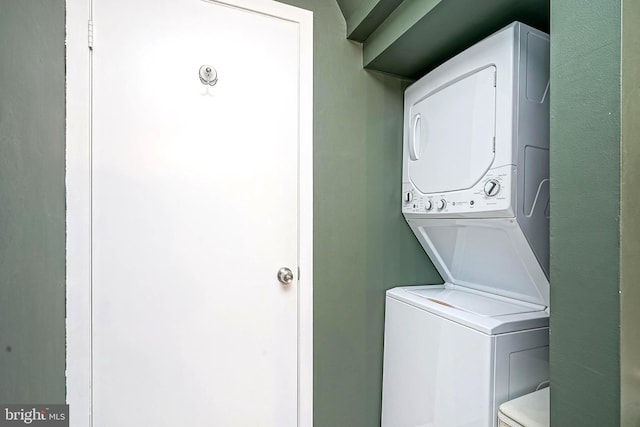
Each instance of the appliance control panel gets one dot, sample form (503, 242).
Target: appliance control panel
(494, 193)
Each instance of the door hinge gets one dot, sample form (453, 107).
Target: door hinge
(90, 34)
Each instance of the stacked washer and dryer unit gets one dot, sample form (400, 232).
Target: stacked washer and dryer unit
(476, 194)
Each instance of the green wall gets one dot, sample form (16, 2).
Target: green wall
(32, 221)
(629, 217)
(585, 213)
(362, 244)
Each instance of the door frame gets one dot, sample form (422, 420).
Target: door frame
(79, 36)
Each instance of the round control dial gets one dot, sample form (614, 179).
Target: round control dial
(441, 204)
(428, 205)
(408, 197)
(491, 187)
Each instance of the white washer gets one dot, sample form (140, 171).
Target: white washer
(476, 195)
(451, 356)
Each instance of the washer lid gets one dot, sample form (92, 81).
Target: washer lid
(451, 133)
(490, 255)
(472, 302)
(486, 313)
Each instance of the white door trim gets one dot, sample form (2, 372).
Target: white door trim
(78, 198)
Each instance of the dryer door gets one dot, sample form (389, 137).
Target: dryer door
(451, 134)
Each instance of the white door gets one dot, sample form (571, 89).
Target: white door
(195, 207)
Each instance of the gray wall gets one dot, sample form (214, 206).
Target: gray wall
(32, 222)
(362, 244)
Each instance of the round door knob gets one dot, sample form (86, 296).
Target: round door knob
(428, 205)
(442, 203)
(285, 276)
(491, 187)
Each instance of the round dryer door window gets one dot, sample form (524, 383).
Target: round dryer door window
(452, 132)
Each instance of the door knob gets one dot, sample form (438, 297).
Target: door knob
(285, 276)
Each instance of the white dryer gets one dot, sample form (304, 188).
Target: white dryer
(476, 194)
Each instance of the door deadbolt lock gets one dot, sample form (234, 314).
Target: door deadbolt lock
(285, 276)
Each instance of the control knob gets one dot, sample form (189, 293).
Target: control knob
(442, 203)
(491, 187)
(428, 205)
(408, 197)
